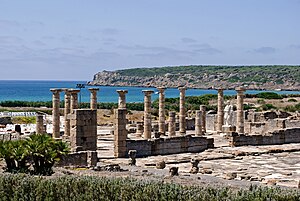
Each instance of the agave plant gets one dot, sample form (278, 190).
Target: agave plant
(44, 152)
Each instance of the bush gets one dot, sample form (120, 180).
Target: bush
(268, 107)
(292, 100)
(269, 95)
(40, 150)
(22, 187)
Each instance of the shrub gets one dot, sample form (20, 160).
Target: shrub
(292, 100)
(261, 101)
(269, 95)
(268, 106)
(39, 149)
(23, 187)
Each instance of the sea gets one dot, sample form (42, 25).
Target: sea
(33, 90)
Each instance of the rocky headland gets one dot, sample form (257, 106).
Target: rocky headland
(204, 77)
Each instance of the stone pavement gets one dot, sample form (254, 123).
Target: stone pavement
(271, 165)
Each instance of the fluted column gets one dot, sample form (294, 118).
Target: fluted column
(172, 124)
(182, 115)
(67, 111)
(198, 125)
(74, 99)
(240, 110)
(161, 111)
(220, 114)
(122, 98)
(203, 118)
(93, 99)
(147, 113)
(55, 112)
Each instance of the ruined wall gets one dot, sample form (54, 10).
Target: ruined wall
(174, 145)
(79, 159)
(83, 133)
(289, 135)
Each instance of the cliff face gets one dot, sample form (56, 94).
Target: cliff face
(227, 78)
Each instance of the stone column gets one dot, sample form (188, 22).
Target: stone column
(40, 129)
(220, 114)
(161, 111)
(198, 125)
(120, 133)
(172, 124)
(67, 111)
(74, 99)
(240, 110)
(147, 113)
(139, 129)
(55, 112)
(93, 99)
(182, 115)
(203, 118)
(122, 98)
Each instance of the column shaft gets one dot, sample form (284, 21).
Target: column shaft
(93, 99)
(161, 111)
(198, 126)
(220, 115)
(55, 112)
(40, 124)
(182, 115)
(240, 110)
(74, 99)
(147, 114)
(66, 112)
(172, 124)
(203, 118)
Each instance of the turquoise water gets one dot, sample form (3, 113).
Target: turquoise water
(40, 91)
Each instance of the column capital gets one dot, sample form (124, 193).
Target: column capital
(240, 89)
(161, 89)
(67, 91)
(55, 90)
(93, 89)
(181, 88)
(148, 92)
(122, 92)
(219, 89)
(74, 91)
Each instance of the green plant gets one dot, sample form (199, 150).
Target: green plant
(268, 106)
(292, 100)
(44, 152)
(15, 155)
(269, 95)
(39, 149)
(261, 101)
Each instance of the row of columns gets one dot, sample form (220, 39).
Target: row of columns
(146, 129)
(71, 103)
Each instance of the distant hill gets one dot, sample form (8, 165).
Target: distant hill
(205, 77)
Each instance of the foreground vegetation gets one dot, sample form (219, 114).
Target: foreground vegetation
(23, 187)
(39, 152)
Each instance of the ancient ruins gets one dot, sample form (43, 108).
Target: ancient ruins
(171, 133)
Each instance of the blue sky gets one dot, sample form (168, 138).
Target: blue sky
(74, 39)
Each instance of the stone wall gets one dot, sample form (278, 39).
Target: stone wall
(79, 159)
(289, 135)
(83, 132)
(173, 145)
